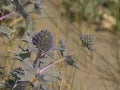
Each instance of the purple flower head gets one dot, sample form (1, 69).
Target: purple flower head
(43, 40)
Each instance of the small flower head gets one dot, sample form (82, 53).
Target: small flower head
(87, 41)
(43, 40)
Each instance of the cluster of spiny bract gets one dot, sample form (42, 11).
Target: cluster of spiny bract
(43, 40)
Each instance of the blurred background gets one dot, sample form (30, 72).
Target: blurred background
(67, 20)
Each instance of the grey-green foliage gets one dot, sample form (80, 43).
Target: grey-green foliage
(7, 7)
(6, 32)
(30, 73)
(20, 8)
(29, 70)
(2, 85)
(52, 75)
(25, 7)
(21, 54)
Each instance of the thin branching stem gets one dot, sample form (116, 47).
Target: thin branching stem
(51, 65)
(7, 15)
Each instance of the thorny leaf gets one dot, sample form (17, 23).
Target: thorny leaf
(30, 25)
(29, 71)
(22, 54)
(31, 75)
(52, 75)
(22, 27)
(17, 72)
(30, 8)
(2, 85)
(38, 8)
(43, 62)
(20, 8)
(26, 72)
(6, 32)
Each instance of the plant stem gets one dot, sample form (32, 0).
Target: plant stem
(8, 15)
(49, 66)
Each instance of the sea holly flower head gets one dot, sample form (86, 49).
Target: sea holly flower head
(43, 42)
(35, 76)
(87, 41)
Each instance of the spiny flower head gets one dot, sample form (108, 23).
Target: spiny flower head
(43, 40)
(87, 41)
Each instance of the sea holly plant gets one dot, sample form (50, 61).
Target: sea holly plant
(21, 54)
(5, 31)
(37, 73)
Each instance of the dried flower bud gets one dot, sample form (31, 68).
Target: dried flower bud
(71, 61)
(87, 41)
